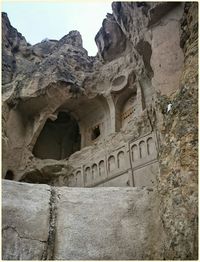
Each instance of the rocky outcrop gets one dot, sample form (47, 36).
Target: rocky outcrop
(135, 107)
(41, 65)
(37, 69)
(107, 39)
(178, 182)
(12, 42)
(47, 223)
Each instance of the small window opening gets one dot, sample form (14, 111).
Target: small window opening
(9, 175)
(95, 132)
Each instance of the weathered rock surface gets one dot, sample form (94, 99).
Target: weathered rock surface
(12, 42)
(147, 56)
(107, 223)
(107, 39)
(79, 224)
(52, 72)
(41, 65)
(178, 182)
(25, 220)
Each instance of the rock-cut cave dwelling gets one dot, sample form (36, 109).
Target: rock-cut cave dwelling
(99, 153)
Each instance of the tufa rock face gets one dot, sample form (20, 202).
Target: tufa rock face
(107, 39)
(178, 183)
(27, 230)
(12, 42)
(79, 224)
(47, 60)
(73, 38)
(124, 118)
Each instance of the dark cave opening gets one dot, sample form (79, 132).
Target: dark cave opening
(9, 175)
(58, 139)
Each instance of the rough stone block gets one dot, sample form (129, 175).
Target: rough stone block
(106, 223)
(25, 220)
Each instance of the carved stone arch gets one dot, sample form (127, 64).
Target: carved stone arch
(87, 174)
(111, 163)
(79, 178)
(102, 169)
(71, 180)
(142, 149)
(135, 152)
(78, 172)
(121, 160)
(94, 171)
(150, 146)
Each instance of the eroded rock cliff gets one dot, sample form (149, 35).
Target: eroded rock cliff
(132, 112)
(178, 156)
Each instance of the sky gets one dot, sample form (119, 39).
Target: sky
(39, 20)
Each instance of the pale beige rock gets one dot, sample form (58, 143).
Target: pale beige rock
(167, 55)
(79, 224)
(107, 224)
(25, 220)
(118, 130)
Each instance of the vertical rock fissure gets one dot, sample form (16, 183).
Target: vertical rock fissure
(48, 253)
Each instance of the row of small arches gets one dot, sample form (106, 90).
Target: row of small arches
(140, 150)
(143, 149)
(76, 179)
(120, 161)
(97, 171)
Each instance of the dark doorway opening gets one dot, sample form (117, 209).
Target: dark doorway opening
(58, 139)
(9, 175)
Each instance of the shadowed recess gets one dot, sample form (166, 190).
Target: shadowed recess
(58, 139)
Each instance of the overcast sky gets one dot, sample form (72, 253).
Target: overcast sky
(53, 20)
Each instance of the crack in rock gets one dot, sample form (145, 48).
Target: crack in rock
(48, 253)
(22, 237)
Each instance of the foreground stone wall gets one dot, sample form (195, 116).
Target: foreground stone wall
(43, 223)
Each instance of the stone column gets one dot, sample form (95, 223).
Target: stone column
(112, 113)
